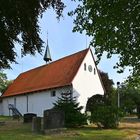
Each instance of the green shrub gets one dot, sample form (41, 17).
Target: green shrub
(138, 111)
(106, 116)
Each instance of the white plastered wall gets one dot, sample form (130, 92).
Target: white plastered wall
(37, 102)
(86, 83)
(1, 109)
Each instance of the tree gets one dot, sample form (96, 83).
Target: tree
(115, 28)
(94, 101)
(4, 83)
(107, 83)
(19, 23)
(68, 104)
(103, 114)
(130, 98)
(106, 116)
(127, 102)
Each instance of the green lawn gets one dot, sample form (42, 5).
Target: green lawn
(14, 130)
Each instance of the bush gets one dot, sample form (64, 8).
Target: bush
(94, 101)
(138, 111)
(106, 116)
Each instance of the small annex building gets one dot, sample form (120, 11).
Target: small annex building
(36, 90)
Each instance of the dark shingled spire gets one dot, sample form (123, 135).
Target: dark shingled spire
(47, 56)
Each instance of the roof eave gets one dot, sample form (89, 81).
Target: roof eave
(34, 91)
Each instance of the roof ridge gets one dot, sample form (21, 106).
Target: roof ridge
(55, 61)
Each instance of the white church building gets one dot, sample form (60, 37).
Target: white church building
(36, 90)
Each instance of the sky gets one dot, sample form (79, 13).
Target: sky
(62, 42)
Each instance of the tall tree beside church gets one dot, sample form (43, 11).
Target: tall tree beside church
(19, 23)
(114, 27)
(4, 82)
(110, 91)
(108, 83)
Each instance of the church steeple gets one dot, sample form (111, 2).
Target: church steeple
(47, 56)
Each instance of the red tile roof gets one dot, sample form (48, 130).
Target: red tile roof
(56, 74)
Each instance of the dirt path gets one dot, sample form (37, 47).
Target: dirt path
(131, 124)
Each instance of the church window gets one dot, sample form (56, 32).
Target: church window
(85, 67)
(53, 93)
(94, 71)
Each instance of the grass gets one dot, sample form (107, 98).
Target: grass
(14, 130)
(4, 118)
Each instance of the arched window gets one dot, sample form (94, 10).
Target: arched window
(85, 66)
(94, 71)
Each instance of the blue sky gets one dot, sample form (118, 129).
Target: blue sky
(62, 42)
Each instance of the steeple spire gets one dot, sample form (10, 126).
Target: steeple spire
(47, 56)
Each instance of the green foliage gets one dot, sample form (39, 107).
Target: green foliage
(73, 116)
(127, 100)
(103, 113)
(108, 85)
(133, 81)
(4, 83)
(106, 116)
(112, 99)
(130, 98)
(19, 24)
(114, 27)
(94, 101)
(138, 111)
